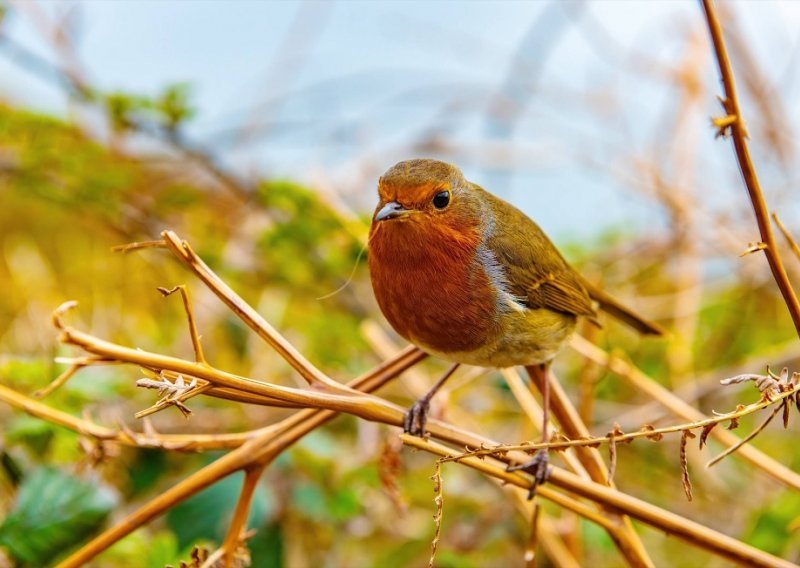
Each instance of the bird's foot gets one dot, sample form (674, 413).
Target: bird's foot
(538, 467)
(417, 417)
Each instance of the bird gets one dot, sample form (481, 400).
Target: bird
(469, 278)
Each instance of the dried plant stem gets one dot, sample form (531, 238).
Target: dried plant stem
(246, 313)
(735, 124)
(682, 409)
(749, 437)
(240, 514)
(555, 548)
(266, 444)
(130, 247)
(624, 536)
(675, 525)
(654, 433)
(187, 307)
(322, 400)
(533, 535)
(787, 235)
(684, 461)
(532, 409)
(61, 379)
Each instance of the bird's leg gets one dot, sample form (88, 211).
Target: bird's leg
(539, 466)
(417, 416)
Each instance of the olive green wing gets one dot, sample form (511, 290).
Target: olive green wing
(534, 269)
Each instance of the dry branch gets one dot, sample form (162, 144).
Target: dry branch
(733, 123)
(675, 525)
(266, 444)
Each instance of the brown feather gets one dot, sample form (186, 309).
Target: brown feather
(534, 268)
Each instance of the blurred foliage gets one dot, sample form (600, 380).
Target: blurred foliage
(54, 510)
(68, 197)
(168, 110)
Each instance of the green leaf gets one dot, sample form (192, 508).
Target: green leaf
(54, 512)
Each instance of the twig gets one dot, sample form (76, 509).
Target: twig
(187, 306)
(62, 379)
(439, 502)
(787, 235)
(130, 247)
(749, 437)
(646, 432)
(673, 524)
(642, 383)
(735, 126)
(262, 446)
(238, 523)
(265, 445)
(623, 535)
(246, 313)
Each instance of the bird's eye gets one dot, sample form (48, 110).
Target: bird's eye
(441, 199)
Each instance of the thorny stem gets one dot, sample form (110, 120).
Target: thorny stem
(736, 127)
(645, 432)
(680, 408)
(623, 535)
(750, 436)
(662, 519)
(787, 235)
(267, 443)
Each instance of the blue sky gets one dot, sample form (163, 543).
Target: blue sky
(335, 92)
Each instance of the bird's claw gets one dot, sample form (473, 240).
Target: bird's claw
(538, 467)
(417, 417)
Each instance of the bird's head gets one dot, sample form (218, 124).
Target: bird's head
(425, 196)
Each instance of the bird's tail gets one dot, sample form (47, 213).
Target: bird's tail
(623, 314)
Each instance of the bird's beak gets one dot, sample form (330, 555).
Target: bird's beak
(391, 210)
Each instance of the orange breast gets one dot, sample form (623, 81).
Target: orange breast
(431, 286)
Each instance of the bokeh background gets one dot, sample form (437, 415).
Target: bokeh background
(257, 131)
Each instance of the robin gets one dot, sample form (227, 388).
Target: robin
(469, 278)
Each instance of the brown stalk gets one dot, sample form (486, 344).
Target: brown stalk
(675, 525)
(648, 431)
(625, 537)
(238, 522)
(735, 125)
(787, 235)
(246, 313)
(684, 461)
(529, 406)
(267, 443)
(747, 438)
(644, 384)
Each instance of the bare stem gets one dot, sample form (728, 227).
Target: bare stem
(787, 235)
(735, 125)
(675, 525)
(680, 408)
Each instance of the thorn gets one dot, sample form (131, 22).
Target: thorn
(723, 124)
(753, 247)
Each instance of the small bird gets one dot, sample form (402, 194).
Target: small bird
(467, 277)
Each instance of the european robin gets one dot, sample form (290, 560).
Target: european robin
(467, 277)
